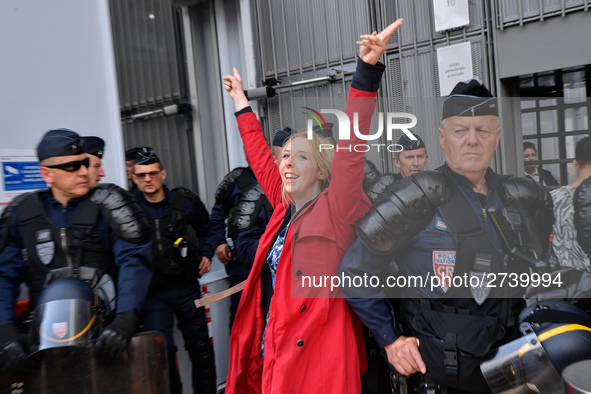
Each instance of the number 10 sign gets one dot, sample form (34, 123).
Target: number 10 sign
(450, 14)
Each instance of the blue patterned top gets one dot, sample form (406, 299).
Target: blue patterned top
(273, 260)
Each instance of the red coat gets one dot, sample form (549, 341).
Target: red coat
(312, 345)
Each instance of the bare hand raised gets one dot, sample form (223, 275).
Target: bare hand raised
(372, 46)
(233, 85)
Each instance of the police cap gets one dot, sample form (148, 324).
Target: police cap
(146, 156)
(325, 131)
(470, 98)
(130, 154)
(408, 144)
(281, 136)
(60, 142)
(94, 146)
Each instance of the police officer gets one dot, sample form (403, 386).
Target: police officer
(412, 158)
(241, 201)
(182, 252)
(94, 148)
(442, 228)
(66, 228)
(278, 140)
(130, 155)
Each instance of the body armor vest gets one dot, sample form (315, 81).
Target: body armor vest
(48, 247)
(243, 216)
(456, 331)
(176, 248)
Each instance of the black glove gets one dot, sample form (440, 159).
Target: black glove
(14, 350)
(114, 340)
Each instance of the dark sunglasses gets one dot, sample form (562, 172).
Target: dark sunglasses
(71, 166)
(142, 175)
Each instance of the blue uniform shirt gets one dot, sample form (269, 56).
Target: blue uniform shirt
(133, 259)
(419, 257)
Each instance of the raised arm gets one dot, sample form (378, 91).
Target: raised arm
(257, 150)
(346, 189)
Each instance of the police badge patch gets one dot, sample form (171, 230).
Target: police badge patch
(59, 329)
(45, 246)
(444, 263)
(479, 286)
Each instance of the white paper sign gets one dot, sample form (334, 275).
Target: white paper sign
(450, 14)
(455, 65)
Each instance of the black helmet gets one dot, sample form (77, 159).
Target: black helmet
(67, 314)
(555, 335)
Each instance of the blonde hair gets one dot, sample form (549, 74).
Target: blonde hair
(323, 158)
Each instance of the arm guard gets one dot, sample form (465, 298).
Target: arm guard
(226, 186)
(121, 212)
(403, 211)
(371, 175)
(582, 205)
(535, 201)
(379, 187)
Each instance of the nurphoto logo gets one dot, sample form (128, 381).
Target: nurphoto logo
(345, 129)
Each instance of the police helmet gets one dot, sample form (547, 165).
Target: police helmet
(555, 334)
(68, 313)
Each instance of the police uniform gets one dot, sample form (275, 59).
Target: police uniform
(435, 225)
(104, 230)
(240, 199)
(180, 226)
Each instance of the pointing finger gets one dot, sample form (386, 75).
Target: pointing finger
(388, 31)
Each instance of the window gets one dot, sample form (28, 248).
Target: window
(555, 116)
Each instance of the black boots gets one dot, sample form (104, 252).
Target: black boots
(203, 365)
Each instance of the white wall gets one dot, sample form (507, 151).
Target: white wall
(58, 70)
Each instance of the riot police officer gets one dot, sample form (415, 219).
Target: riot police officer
(412, 158)
(241, 200)
(94, 147)
(66, 230)
(182, 252)
(439, 224)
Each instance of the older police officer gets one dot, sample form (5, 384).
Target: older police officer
(65, 228)
(438, 226)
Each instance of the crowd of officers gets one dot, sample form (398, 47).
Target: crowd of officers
(155, 243)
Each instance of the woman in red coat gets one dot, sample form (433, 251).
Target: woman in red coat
(288, 336)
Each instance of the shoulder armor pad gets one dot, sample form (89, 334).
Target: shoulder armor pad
(531, 195)
(404, 210)
(379, 187)
(7, 215)
(227, 185)
(534, 199)
(121, 212)
(371, 174)
(187, 193)
(582, 205)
